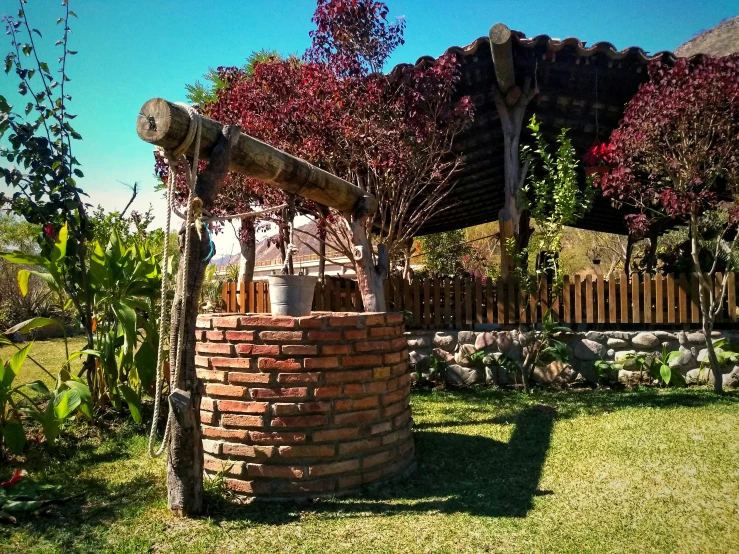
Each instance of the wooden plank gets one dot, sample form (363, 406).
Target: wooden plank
(601, 286)
(457, 302)
(533, 303)
(589, 315)
(447, 301)
(683, 299)
(427, 302)
(635, 299)
(731, 296)
(578, 299)
(489, 300)
(523, 306)
(500, 285)
(659, 297)
(647, 298)
(224, 294)
(328, 294)
(417, 302)
(437, 302)
(233, 307)
(478, 301)
(624, 297)
(695, 309)
(259, 303)
(242, 297)
(566, 290)
(671, 300)
(543, 296)
(512, 301)
(468, 292)
(338, 307)
(386, 291)
(612, 313)
(253, 297)
(407, 296)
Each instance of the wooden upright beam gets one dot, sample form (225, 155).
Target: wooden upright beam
(502, 50)
(165, 124)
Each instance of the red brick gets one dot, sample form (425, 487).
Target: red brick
(349, 482)
(372, 346)
(243, 407)
(240, 336)
(203, 322)
(395, 409)
(404, 380)
(359, 446)
(324, 335)
(282, 365)
(356, 403)
(248, 378)
(212, 447)
(300, 421)
(217, 466)
(277, 438)
(300, 349)
(321, 363)
(399, 369)
(371, 476)
(331, 349)
(380, 428)
(312, 322)
(371, 320)
(394, 437)
(384, 331)
(244, 349)
(202, 361)
(210, 375)
(345, 320)
(289, 392)
(265, 350)
(326, 392)
(214, 335)
(297, 487)
(400, 342)
(247, 487)
(394, 318)
(208, 404)
(393, 358)
(402, 419)
(307, 451)
(247, 450)
(361, 360)
(214, 348)
(200, 336)
(353, 389)
(280, 409)
(333, 468)
(285, 322)
(355, 417)
(381, 373)
(333, 435)
(218, 433)
(379, 458)
(231, 420)
(281, 336)
(225, 390)
(292, 378)
(284, 472)
(238, 363)
(349, 376)
(209, 418)
(355, 334)
(375, 387)
(231, 322)
(393, 397)
(405, 447)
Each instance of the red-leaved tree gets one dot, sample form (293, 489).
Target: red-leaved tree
(676, 154)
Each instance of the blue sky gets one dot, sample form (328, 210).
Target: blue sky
(130, 51)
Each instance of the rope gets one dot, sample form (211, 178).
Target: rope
(173, 159)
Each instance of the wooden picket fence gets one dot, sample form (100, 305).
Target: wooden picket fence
(621, 301)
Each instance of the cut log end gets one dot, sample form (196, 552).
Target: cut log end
(155, 118)
(499, 34)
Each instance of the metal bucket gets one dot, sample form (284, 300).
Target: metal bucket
(291, 294)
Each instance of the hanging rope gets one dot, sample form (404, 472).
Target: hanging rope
(173, 159)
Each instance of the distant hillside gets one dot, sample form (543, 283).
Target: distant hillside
(721, 40)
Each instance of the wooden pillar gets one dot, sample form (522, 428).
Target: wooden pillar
(511, 102)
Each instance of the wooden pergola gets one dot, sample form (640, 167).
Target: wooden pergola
(509, 77)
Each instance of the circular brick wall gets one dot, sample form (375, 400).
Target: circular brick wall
(304, 407)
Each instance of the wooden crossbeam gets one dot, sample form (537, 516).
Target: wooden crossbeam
(163, 123)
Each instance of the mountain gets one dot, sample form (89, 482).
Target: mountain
(721, 40)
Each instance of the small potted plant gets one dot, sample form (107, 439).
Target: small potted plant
(291, 294)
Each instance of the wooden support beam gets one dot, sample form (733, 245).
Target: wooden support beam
(163, 123)
(502, 50)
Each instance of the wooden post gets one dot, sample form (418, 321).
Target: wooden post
(510, 102)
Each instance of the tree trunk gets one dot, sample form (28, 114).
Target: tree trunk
(370, 276)
(321, 257)
(185, 450)
(248, 247)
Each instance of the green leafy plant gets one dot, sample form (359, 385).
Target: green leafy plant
(606, 370)
(657, 366)
(437, 368)
(725, 354)
(21, 494)
(541, 347)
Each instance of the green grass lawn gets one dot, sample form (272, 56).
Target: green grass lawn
(647, 471)
(48, 353)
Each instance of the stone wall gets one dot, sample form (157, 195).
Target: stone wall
(454, 347)
(304, 407)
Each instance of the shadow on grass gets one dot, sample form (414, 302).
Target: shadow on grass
(456, 473)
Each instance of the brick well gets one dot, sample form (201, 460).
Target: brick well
(304, 407)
